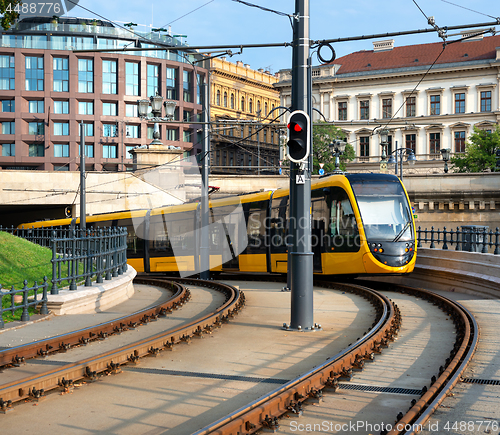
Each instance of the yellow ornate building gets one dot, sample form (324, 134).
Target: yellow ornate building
(244, 139)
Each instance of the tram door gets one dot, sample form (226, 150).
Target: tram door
(230, 254)
(319, 223)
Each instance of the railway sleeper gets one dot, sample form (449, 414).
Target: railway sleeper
(133, 359)
(154, 351)
(114, 368)
(316, 395)
(66, 385)
(37, 395)
(295, 407)
(271, 423)
(90, 375)
(18, 360)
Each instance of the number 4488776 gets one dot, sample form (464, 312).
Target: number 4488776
(34, 8)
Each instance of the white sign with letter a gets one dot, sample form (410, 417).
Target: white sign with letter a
(300, 179)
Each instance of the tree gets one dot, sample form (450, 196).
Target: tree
(9, 16)
(479, 153)
(322, 136)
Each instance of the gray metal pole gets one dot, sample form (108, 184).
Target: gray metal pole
(301, 265)
(83, 213)
(204, 236)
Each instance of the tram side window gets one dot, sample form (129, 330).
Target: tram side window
(279, 225)
(135, 236)
(172, 234)
(255, 218)
(229, 233)
(342, 229)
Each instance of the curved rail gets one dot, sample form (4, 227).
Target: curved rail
(19, 354)
(264, 412)
(110, 361)
(449, 374)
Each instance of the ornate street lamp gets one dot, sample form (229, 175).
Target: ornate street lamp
(446, 157)
(384, 139)
(337, 148)
(156, 102)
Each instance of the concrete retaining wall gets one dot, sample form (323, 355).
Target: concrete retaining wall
(99, 297)
(464, 272)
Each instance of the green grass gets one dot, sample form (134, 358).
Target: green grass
(21, 260)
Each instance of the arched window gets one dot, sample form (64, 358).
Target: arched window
(217, 101)
(258, 107)
(265, 109)
(242, 104)
(250, 106)
(225, 99)
(232, 101)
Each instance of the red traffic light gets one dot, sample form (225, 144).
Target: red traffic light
(295, 126)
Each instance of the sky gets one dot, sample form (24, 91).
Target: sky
(218, 22)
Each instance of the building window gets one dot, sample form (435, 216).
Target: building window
(128, 153)
(86, 76)
(61, 107)
(172, 84)
(232, 101)
(187, 116)
(364, 146)
(186, 85)
(34, 73)
(88, 128)
(61, 128)
(242, 104)
(187, 136)
(459, 141)
(36, 150)
(217, 98)
(133, 131)
(109, 130)
(364, 109)
(485, 101)
(131, 111)
(460, 103)
(172, 134)
(435, 104)
(36, 106)
(411, 142)
(86, 107)
(8, 127)
(8, 106)
(7, 72)
(36, 128)
(89, 150)
(109, 77)
(8, 150)
(200, 80)
(61, 74)
(110, 109)
(389, 145)
(250, 105)
(109, 151)
(131, 79)
(411, 106)
(153, 80)
(225, 99)
(343, 111)
(434, 143)
(61, 150)
(386, 108)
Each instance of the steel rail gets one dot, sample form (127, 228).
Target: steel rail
(18, 354)
(465, 346)
(110, 361)
(264, 411)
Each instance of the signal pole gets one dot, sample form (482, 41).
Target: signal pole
(300, 266)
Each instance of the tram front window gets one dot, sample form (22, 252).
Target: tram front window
(384, 211)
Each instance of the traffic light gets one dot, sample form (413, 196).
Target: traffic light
(298, 136)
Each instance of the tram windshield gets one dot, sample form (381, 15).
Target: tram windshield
(384, 209)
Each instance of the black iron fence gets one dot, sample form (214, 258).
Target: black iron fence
(470, 238)
(78, 256)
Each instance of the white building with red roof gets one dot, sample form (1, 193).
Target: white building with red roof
(429, 96)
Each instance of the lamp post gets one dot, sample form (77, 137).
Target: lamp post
(384, 139)
(156, 103)
(337, 148)
(396, 157)
(445, 152)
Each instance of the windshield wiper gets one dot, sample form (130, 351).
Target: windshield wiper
(396, 239)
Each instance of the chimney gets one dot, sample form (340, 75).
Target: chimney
(385, 45)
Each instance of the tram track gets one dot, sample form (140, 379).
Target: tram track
(290, 398)
(34, 387)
